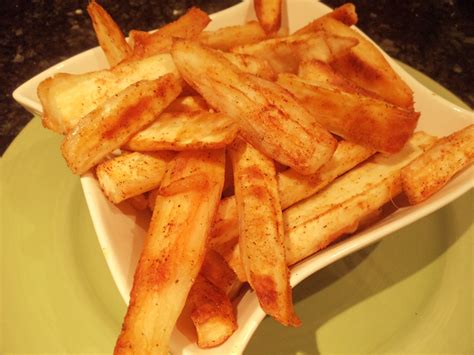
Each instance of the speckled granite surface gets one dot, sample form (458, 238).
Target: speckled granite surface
(434, 36)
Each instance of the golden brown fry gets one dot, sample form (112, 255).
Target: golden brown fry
(188, 104)
(252, 65)
(433, 169)
(285, 53)
(152, 198)
(228, 37)
(189, 26)
(268, 116)
(345, 14)
(268, 14)
(365, 65)
(357, 118)
(185, 130)
(172, 254)
(322, 74)
(68, 97)
(216, 270)
(211, 312)
(113, 123)
(319, 220)
(261, 236)
(132, 174)
(109, 35)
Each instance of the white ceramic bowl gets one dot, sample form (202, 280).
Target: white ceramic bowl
(120, 229)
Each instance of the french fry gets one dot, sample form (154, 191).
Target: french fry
(109, 35)
(112, 124)
(285, 53)
(252, 65)
(268, 14)
(428, 173)
(172, 254)
(189, 26)
(232, 36)
(261, 238)
(189, 103)
(268, 116)
(185, 130)
(322, 74)
(345, 13)
(365, 65)
(68, 97)
(360, 119)
(211, 313)
(152, 198)
(132, 174)
(215, 269)
(341, 207)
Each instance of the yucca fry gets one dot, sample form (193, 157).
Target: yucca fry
(428, 173)
(212, 313)
(188, 103)
(344, 205)
(228, 37)
(261, 237)
(114, 122)
(110, 37)
(322, 74)
(68, 97)
(132, 174)
(292, 188)
(285, 53)
(354, 117)
(268, 14)
(252, 65)
(365, 65)
(215, 269)
(172, 255)
(345, 13)
(189, 26)
(268, 116)
(185, 130)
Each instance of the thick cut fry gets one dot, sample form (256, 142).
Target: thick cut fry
(216, 270)
(433, 169)
(357, 118)
(285, 53)
(345, 13)
(185, 130)
(112, 124)
(252, 65)
(68, 97)
(109, 35)
(261, 237)
(211, 312)
(322, 74)
(188, 104)
(233, 36)
(172, 254)
(268, 14)
(132, 174)
(365, 65)
(268, 117)
(314, 223)
(189, 26)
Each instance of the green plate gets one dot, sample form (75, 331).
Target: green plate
(410, 293)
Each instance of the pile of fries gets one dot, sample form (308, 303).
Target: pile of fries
(253, 148)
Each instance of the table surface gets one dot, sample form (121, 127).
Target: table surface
(433, 36)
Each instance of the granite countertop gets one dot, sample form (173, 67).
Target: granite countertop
(433, 36)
